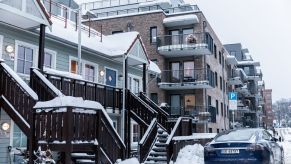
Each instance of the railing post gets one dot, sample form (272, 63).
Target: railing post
(50, 8)
(89, 26)
(69, 133)
(66, 17)
(76, 19)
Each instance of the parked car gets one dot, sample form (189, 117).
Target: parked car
(250, 145)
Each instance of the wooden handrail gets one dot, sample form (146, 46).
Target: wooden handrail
(162, 115)
(181, 128)
(107, 96)
(147, 140)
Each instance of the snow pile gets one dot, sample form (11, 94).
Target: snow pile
(191, 154)
(128, 161)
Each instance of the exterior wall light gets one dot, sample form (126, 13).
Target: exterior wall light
(5, 126)
(101, 73)
(9, 49)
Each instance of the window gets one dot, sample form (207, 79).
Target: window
(135, 134)
(221, 108)
(209, 100)
(74, 66)
(154, 97)
(186, 33)
(216, 79)
(220, 57)
(189, 71)
(1, 42)
(216, 105)
(175, 38)
(19, 138)
(215, 51)
(50, 59)
(153, 34)
(24, 59)
(217, 130)
(175, 72)
(220, 80)
(89, 72)
(210, 130)
(117, 32)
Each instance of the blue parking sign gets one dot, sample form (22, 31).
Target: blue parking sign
(232, 96)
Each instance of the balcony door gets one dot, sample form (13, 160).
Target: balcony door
(186, 33)
(174, 37)
(189, 71)
(175, 104)
(189, 104)
(175, 72)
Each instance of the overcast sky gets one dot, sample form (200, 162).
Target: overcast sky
(262, 26)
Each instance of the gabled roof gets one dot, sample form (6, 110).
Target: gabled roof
(114, 46)
(27, 16)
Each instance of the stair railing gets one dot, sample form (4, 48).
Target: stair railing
(18, 96)
(137, 106)
(162, 115)
(183, 127)
(107, 96)
(146, 143)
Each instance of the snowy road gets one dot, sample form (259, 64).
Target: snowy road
(286, 134)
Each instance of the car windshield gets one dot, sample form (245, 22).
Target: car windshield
(237, 135)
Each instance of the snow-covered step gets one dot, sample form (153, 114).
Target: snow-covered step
(160, 158)
(158, 153)
(85, 161)
(160, 144)
(159, 149)
(164, 135)
(162, 140)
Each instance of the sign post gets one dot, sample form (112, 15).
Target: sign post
(232, 101)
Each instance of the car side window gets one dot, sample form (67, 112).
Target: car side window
(266, 136)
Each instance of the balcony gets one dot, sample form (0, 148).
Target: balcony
(185, 45)
(238, 77)
(186, 79)
(199, 113)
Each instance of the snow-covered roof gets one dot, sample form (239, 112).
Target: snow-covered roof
(65, 101)
(154, 68)
(20, 81)
(112, 45)
(84, 1)
(249, 62)
(181, 20)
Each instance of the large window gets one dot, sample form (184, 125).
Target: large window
(175, 72)
(175, 38)
(153, 34)
(154, 97)
(19, 138)
(216, 105)
(24, 59)
(48, 60)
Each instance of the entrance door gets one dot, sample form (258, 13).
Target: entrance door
(175, 104)
(110, 77)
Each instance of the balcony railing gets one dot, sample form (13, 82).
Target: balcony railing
(199, 113)
(187, 78)
(185, 44)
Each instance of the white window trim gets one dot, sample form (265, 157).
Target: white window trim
(116, 75)
(1, 46)
(136, 77)
(84, 62)
(54, 57)
(35, 55)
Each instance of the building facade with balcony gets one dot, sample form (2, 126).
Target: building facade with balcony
(180, 40)
(268, 112)
(245, 78)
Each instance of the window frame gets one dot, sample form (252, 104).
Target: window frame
(1, 46)
(83, 63)
(151, 36)
(54, 58)
(34, 54)
(12, 123)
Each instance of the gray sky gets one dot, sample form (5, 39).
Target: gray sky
(262, 26)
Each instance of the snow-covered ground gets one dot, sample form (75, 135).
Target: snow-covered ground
(286, 134)
(191, 154)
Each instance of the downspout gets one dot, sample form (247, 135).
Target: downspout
(79, 40)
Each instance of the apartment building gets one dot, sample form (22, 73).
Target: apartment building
(245, 78)
(101, 67)
(180, 40)
(268, 112)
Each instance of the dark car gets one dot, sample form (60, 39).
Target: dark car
(251, 146)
